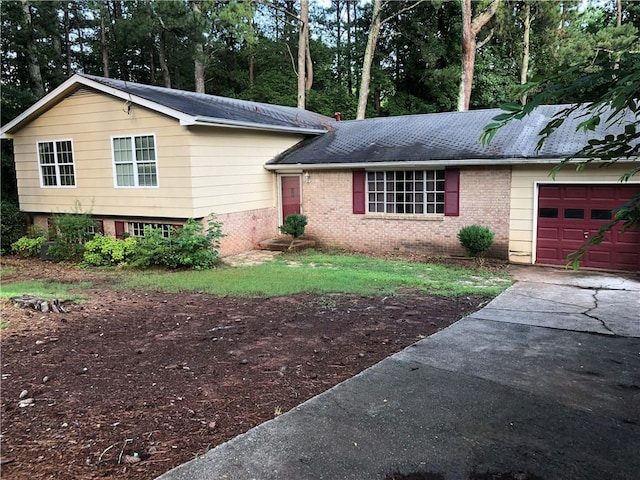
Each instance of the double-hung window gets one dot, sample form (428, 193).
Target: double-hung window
(135, 161)
(406, 192)
(56, 164)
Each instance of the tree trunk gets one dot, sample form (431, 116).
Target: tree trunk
(349, 70)
(162, 58)
(470, 29)
(338, 41)
(302, 50)
(619, 13)
(33, 64)
(67, 42)
(103, 43)
(199, 53)
(372, 40)
(308, 63)
(524, 69)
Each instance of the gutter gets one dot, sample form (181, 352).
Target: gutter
(412, 164)
(212, 122)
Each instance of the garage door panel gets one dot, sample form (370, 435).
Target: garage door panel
(584, 209)
(573, 234)
(549, 233)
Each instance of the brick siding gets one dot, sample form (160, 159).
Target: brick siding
(244, 230)
(484, 200)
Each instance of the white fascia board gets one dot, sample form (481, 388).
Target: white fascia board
(421, 164)
(220, 122)
(69, 86)
(413, 164)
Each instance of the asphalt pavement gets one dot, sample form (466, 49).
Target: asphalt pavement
(543, 383)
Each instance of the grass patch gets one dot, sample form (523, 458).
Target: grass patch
(44, 289)
(315, 272)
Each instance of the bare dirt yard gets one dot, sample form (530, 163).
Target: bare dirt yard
(130, 384)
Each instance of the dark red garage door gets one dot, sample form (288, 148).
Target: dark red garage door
(570, 214)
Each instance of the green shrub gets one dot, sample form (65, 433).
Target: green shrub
(109, 251)
(475, 239)
(294, 225)
(187, 247)
(12, 223)
(71, 232)
(28, 247)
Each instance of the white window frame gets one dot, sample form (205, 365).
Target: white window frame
(135, 161)
(136, 229)
(56, 163)
(383, 194)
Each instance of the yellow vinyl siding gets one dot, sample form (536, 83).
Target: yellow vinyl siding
(228, 168)
(90, 120)
(523, 209)
(200, 169)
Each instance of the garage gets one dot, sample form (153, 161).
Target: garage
(570, 214)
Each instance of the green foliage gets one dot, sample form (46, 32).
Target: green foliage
(71, 232)
(294, 225)
(107, 251)
(28, 247)
(12, 221)
(187, 247)
(475, 239)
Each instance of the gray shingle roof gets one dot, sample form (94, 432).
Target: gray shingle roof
(452, 136)
(222, 108)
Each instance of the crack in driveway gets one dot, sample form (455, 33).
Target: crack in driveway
(595, 317)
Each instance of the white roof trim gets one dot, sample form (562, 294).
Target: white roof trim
(220, 122)
(421, 164)
(69, 86)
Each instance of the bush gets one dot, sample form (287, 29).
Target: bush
(71, 232)
(187, 247)
(28, 247)
(294, 225)
(108, 251)
(475, 239)
(13, 225)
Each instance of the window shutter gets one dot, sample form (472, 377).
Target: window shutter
(99, 226)
(452, 192)
(120, 230)
(359, 179)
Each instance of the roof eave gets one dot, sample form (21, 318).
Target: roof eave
(219, 122)
(466, 162)
(72, 84)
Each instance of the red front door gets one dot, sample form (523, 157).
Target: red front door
(290, 193)
(568, 215)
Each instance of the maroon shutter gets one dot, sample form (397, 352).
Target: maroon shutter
(99, 226)
(452, 192)
(119, 230)
(359, 179)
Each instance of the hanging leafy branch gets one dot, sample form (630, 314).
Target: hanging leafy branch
(605, 92)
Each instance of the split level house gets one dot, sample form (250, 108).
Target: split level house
(134, 155)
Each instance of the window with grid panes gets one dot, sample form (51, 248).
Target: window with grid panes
(136, 229)
(56, 163)
(135, 161)
(408, 192)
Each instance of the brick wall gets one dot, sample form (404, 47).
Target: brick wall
(244, 230)
(484, 200)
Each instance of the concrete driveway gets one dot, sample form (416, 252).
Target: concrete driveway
(542, 383)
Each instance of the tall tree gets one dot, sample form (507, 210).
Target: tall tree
(374, 34)
(198, 57)
(303, 53)
(471, 27)
(33, 62)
